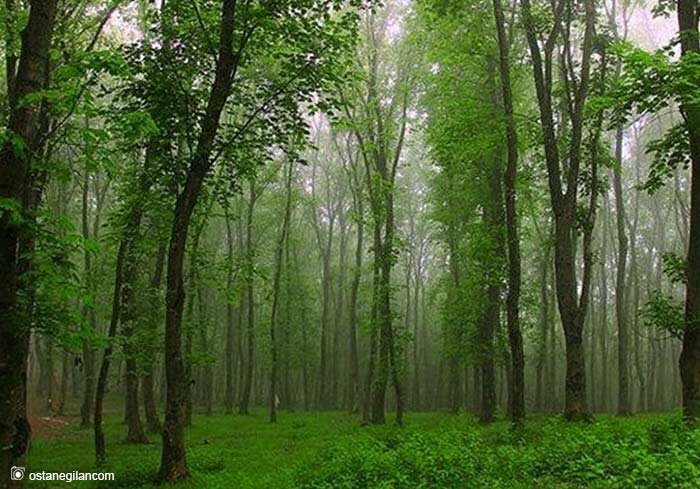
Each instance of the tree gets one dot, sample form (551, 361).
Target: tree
(276, 279)
(689, 361)
(173, 462)
(380, 131)
(564, 183)
(517, 392)
(16, 177)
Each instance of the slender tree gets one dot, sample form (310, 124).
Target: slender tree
(515, 338)
(564, 186)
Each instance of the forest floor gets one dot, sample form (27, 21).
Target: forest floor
(433, 450)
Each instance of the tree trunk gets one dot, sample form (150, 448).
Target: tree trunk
(541, 401)
(287, 392)
(65, 368)
(129, 318)
(101, 389)
(369, 379)
(250, 298)
(189, 328)
(207, 377)
(603, 333)
(88, 314)
(323, 392)
(623, 400)
(147, 384)
(135, 433)
(563, 191)
(353, 320)
(15, 186)
(230, 322)
(275, 295)
(173, 459)
(415, 394)
(383, 330)
(689, 362)
(515, 338)
(487, 378)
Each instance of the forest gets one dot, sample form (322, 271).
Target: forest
(350, 244)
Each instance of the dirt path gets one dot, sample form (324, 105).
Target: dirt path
(47, 428)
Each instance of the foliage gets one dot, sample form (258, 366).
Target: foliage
(650, 83)
(665, 314)
(436, 450)
(675, 267)
(632, 453)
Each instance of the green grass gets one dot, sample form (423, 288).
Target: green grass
(434, 450)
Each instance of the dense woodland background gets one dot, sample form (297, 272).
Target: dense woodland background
(465, 206)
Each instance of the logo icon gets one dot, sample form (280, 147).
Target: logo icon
(17, 473)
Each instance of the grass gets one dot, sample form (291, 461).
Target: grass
(434, 450)
(223, 450)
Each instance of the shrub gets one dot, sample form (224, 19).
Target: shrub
(610, 453)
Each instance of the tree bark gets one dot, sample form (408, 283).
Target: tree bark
(250, 303)
(354, 289)
(323, 392)
(230, 323)
(173, 456)
(515, 338)
(371, 362)
(572, 306)
(147, 382)
(206, 385)
(541, 394)
(15, 186)
(623, 399)
(88, 314)
(689, 362)
(276, 292)
(101, 389)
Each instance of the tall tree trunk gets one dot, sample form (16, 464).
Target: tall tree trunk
(189, 330)
(250, 303)
(101, 389)
(563, 189)
(634, 300)
(486, 367)
(455, 384)
(540, 394)
(306, 381)
(515, 338)
(415, 394)
(382, 331)
(370, 379)
(63, 389)
(207, 374)
(135, 432)
(276, 292)
(147, 383)
(129, 318)
(353, 320)
(173, 456)
(689, 362)
(24, 123)
(323, 392)
(88, 314)
(453, 340)
(493, 221)
(623, 400)
(230, 322)
(287, 392)
(339, 309)
(603, 333)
